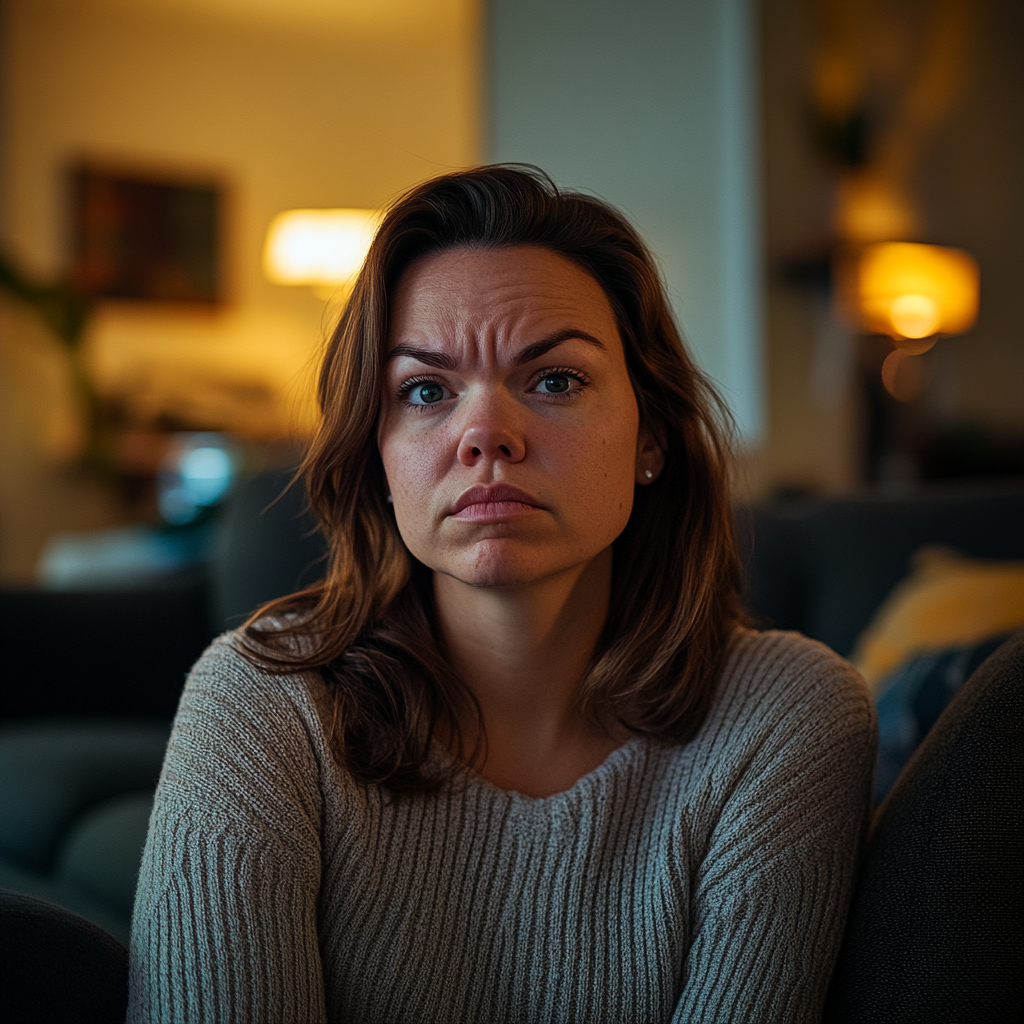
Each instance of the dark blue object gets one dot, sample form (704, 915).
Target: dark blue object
(913, 698)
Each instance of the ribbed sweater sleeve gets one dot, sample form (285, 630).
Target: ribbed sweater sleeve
(225, 920)
(772, 891)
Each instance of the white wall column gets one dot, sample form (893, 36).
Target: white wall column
(652, 105)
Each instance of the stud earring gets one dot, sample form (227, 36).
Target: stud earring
(390, 500)
(648, 474)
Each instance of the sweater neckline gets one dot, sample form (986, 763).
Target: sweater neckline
(621, 755)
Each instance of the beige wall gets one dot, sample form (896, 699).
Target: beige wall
(313, 110)
(291, 103)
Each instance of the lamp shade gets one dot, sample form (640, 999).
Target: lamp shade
(318, 247)
(911, 291)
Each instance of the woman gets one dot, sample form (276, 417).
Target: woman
(516, 758)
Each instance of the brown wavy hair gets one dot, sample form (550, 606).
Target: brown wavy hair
(369, 626)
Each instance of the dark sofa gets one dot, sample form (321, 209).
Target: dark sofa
(820, 566)
(117, 661)
(125, 653)
(823, 566)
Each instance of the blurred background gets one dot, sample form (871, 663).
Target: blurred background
(169, 258)
(832, 188)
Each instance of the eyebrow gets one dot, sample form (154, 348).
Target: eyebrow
(425, 355)
(443, 361)
(540, 348)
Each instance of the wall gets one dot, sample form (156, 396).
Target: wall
(652, 106)
(304, 114)
(970, 180)
(291, 103)
(967, 185)
(675, 110)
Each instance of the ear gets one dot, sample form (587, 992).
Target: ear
(650, 457)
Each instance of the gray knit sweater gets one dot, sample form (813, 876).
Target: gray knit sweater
(703, 882)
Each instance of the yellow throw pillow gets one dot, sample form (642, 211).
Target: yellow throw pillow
(947, 600)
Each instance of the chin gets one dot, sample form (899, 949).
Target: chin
(500, 563)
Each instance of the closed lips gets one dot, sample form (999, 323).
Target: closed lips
(499, 495)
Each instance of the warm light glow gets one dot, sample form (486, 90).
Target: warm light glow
(911, 291)
(914, 316)
(318, 247)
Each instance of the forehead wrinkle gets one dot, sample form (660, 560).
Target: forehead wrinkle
(453, 317)
(448, 334)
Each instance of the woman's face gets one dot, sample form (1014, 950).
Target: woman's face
(509, 430)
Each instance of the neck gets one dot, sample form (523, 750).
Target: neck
(523, 652)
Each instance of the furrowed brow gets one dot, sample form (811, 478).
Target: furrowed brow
(540, 348)
(424, 355)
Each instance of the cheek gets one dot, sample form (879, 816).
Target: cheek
(600, 464)
(414, 462)
(610, 474)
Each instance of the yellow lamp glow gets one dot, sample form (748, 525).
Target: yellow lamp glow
(323, 248)
(911, 291)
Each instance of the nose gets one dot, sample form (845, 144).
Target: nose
(491, 433)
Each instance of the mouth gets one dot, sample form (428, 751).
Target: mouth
(491, 503)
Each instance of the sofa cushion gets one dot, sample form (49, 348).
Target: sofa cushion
(823, 566)
(15, 878)
(55, 966)
(936, 929)
(102, 851)
(51, 773)
(946, 600)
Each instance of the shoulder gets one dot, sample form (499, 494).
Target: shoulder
(236, 715)
(241, 787)
(780, 669)
(781, 691)
(230, 671)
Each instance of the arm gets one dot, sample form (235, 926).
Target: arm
(772, 892)
(225, 921)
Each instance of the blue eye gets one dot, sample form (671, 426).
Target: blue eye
(555, 384)
(427, 393)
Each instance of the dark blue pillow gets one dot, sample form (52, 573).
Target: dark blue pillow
(912, 699)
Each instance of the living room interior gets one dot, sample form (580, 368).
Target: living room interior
(771, 152)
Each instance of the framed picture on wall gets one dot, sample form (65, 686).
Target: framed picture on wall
(146, 237)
